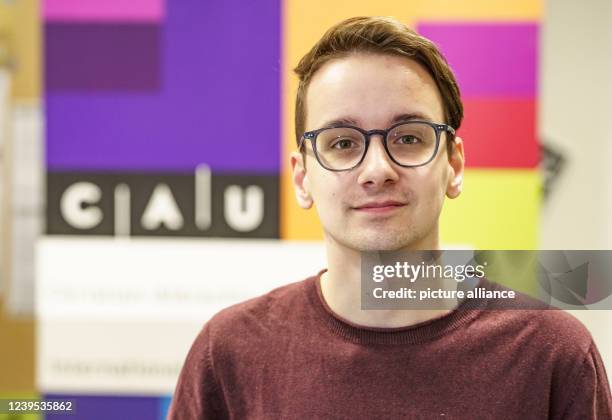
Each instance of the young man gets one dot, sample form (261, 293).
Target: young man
(376, 113)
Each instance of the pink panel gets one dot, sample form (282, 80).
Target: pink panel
(104, 10)
(489, 58)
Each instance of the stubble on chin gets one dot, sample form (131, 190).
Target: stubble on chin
(377, 238)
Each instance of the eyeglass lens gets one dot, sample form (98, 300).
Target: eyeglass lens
(410, 144)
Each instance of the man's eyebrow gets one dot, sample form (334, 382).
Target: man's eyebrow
(409, 117)
(340, 121)
(396, 119)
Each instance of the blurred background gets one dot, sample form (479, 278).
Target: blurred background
(144, 172)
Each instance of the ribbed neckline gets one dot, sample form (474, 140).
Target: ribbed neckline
(429, 330)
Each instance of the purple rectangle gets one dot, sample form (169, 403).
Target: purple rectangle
(133, 132)
(103, 10)
(218, 101)
(107, 407)
(489, 59)
(80, 56)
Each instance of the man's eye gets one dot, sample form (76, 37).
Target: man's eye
(407, 140)
(343, 144)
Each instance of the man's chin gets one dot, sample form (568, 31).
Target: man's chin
(381, 243)
(381, 248)
(379, 238)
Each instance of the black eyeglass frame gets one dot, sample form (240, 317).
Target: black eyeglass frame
(438, 128)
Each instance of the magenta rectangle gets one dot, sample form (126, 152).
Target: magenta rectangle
(104, 10)
(491, 58)
(117, 56)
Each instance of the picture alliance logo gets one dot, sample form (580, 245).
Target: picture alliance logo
(163, 204)
(576, 278)
(564, 279)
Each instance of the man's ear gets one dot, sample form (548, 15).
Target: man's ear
(300, 180)
(456, 162)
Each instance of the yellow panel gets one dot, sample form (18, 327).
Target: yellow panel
(480, 9)
(16, 354)
(297, 223)
(498, 209)
(20, 25)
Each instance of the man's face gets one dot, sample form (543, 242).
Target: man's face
(378, 205)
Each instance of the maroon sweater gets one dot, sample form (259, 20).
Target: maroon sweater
(286, 355)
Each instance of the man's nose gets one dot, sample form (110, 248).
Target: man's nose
(377, 168)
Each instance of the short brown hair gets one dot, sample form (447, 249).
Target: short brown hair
(379, 35)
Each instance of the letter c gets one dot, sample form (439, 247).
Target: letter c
(78, 216)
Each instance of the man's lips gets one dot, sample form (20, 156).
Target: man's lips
(379, 206)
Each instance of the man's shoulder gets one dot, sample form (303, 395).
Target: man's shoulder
(536, 325)
(559, 328)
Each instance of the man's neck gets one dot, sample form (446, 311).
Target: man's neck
(341, 289)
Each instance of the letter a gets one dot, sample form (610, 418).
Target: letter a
(162, 209)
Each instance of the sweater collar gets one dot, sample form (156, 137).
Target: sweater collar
(425, 331)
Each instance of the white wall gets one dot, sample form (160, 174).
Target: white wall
(575, 116)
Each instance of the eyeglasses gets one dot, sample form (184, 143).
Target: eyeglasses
(408, 144)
